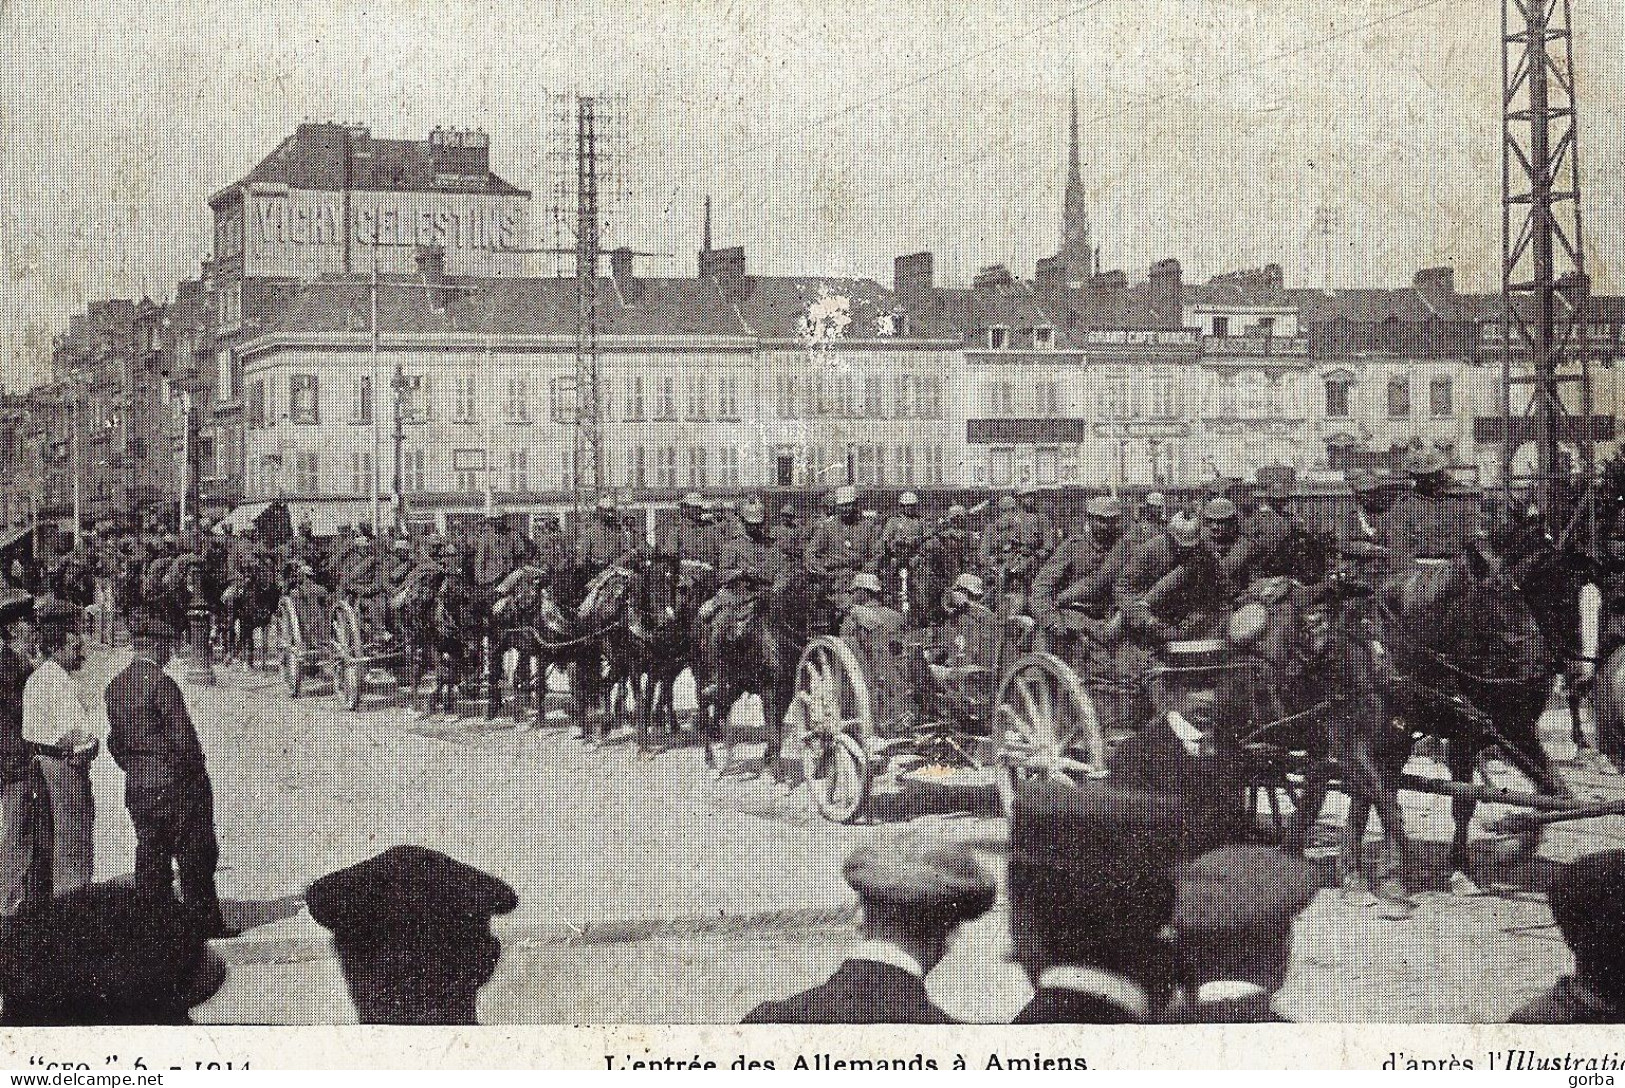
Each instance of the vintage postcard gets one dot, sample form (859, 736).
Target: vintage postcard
(740, 522)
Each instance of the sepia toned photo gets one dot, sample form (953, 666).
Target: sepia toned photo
(537, 513)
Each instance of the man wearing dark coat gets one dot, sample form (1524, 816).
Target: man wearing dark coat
(1072, 600)
(1587, 898)
(1233, 924)
(1091, 888)
(166, 784)
(915, 894)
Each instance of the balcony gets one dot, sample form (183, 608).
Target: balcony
(1296, 347)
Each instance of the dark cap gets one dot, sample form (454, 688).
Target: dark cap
(912, 872)
(16, 607)
(55, 612)
(407, 888)
(1588, 904)
(1242, 889)
(1091, 865)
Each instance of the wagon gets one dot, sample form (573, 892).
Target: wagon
(359, 659)
(1039, 722)
(303, 643)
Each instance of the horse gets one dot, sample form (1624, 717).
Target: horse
(412, 613)
(596, 670)
(250, 602)
(754, 652)
(656, 641)
(1551, 577)
(1467, 664)
(551, 633)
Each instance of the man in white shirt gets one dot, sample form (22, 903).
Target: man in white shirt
(64, 737)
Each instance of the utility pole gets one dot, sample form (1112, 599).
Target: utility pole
(1544, 287)
(377, 386)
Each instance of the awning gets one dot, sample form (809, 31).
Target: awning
(243, 516)
(325, 517)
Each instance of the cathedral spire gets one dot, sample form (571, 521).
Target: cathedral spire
(1077, 248)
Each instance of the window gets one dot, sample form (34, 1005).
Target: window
(904, 460)
(634, 397)
(561, 400)
(872, 397)
(1399, 398)
(698, 476)
(1046, 464)
(1049, 399)
(788, 394)
(905, 396)
(930, 405)
(727, 396)
(728, 469)
(1117, 397)
(256, 403)
(1221, 326)
(668, 467)
(998, 337)
(518, 478)
(304, 402)
(1001, 468)
(1441, 397)
(469, 466)
(697, 409)
(1266, 326)
(412, 474)
(637, 468)
(516, 409)
(667, 407)
(867, 472)
(361, 409)
(1337, 395)
(465, 391)
(1159, 391)
(361, 472)
(1043, 337)
(231, 304)
(307, 472)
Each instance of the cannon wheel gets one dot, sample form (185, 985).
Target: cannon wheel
(347, 667)
(1045, 726)
(290, 643)
(839, 729)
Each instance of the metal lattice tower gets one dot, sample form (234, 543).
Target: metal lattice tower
(1544, 287)
(586, 149)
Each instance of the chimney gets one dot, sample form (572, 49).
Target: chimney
(1274, 278)
(914, 276)
(1437, 285)
(620, 266)
(1166, 290)
(431, 261)
(1049, 278)
(727, 268)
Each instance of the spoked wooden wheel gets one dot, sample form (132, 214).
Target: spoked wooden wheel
(838, 729)
(347, 656)
(1045, 726)
(290, 644)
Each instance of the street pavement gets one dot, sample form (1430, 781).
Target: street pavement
(650, 892)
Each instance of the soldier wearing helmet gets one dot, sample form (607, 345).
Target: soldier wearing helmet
(900, 541)
(1073, 595)
(1017, 543)
(752, 568)
(844, 544)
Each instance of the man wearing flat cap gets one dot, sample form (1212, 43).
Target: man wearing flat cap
(1091, 889)
(914, 894)
(1073, 601)
(166, 784)
(1587, 897)
(412, 931)
(1233, 924)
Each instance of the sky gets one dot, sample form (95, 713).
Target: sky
(831, 136)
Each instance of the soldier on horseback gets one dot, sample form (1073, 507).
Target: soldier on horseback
(1074, 604)
(1016, 544)
(696, 542)
(844, 544)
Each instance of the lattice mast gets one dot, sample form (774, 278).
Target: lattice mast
(1544, 287)
(588, 184)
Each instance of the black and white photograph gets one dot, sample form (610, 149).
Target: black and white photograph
(752, 512)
